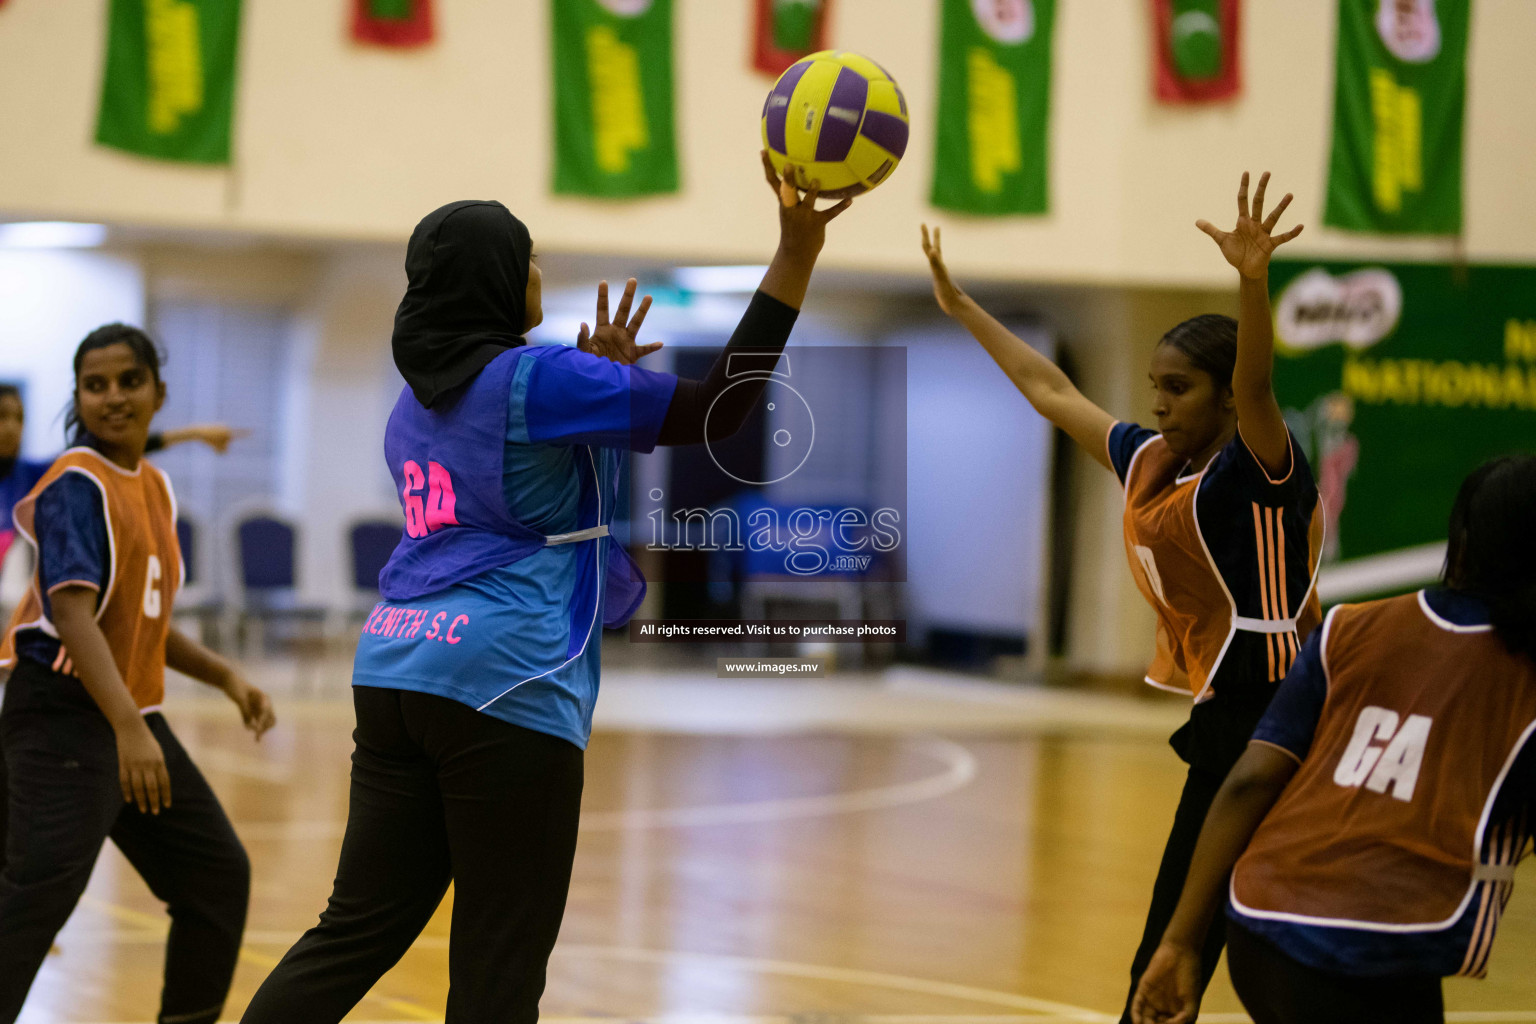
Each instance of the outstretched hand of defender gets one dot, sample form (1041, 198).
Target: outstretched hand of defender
(216, 435)
(1248, 246)
(1169, 992)
(615, 339)
(802, 227)
(948, 294)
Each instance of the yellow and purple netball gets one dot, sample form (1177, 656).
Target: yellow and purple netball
(838, 117)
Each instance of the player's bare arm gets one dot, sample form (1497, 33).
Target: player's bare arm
(215, 435)
(191, 658)
(140, 762)
(1248, 247)
(1169, 992)
(1041, 381)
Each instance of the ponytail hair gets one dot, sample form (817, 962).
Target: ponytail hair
(145, 352)
(1491, 552)
(1209, 341)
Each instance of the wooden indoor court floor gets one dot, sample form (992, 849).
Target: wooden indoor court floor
(985, 876)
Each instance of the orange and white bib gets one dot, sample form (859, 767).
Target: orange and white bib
(144, 570)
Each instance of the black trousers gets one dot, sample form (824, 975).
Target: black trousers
(64, 800)
(1200, 789)
(1276, 989)
(440, 792)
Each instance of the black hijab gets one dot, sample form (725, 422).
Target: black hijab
(466, 295)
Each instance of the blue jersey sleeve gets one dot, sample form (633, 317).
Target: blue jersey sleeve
(72, 544)
(1237, 462)
(1125, 439)
(1291, 721)
(573, 397)
(17, 484)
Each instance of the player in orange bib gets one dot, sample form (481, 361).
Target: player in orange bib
(87, 753)
(1221, 524)
(1376, 818)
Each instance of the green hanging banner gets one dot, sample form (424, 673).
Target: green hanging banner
(613, 97)
(169, 87)
(1399, 93)
(994, 106)
(1398, 379)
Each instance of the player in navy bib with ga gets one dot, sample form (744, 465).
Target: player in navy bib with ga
(1376, 818)
(1221, 526)
(475, 678)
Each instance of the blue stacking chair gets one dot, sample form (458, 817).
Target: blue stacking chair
(371, 542)
(198, 599)
(267, 548)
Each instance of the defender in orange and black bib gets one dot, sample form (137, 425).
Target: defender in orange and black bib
(88, 755)
(1222, 529)
(1376, 818)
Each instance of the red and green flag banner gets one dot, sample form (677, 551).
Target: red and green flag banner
(401, 23)
(1399, 96)
(169, 87)
(786, 30)
(1197, 51)
(994, 106)
(613, 97)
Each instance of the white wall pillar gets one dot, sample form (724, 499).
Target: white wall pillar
(342, 388)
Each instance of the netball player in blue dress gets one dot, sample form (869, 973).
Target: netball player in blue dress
(1221, 525)
(1372, 828)
(475, 678)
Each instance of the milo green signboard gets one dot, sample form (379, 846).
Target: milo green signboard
(1398, 379)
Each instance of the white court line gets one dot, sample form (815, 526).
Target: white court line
(842, 975)
(1451, 1016)
(246, 766)
(736, 1018)
(959, 770)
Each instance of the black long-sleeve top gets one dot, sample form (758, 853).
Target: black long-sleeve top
(761, 335)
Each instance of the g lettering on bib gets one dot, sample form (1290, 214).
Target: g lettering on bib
(152, 588)
(1149, 566)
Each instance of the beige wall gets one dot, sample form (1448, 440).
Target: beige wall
(338, 141)
(341, 384)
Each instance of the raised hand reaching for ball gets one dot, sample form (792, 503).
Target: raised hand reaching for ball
(802, 233)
